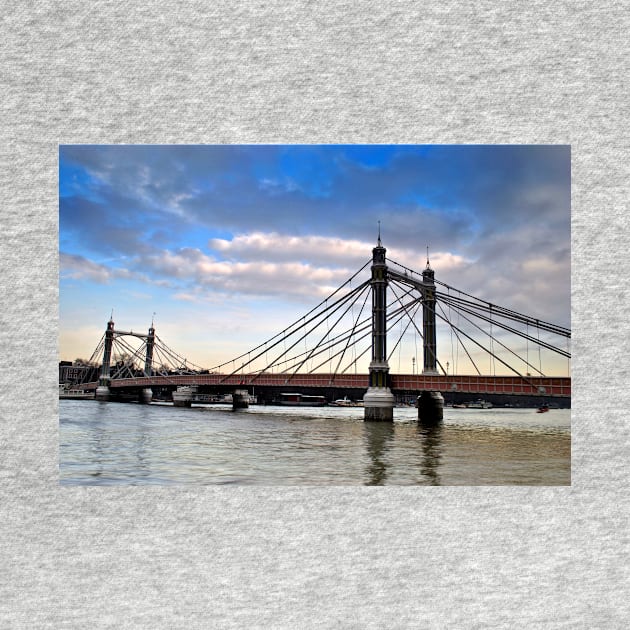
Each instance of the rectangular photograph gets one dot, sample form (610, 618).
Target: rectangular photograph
(315, 315)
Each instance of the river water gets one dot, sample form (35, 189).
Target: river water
(107, 443)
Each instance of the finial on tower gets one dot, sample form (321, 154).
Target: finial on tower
(428, 265)
(111, 317)
(152, 318)
(379, 233)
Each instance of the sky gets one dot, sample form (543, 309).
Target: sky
(224, 245)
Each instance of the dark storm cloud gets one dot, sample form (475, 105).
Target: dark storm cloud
(504, 209)
(445, 193)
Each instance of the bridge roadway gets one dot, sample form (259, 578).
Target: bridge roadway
(469, 384)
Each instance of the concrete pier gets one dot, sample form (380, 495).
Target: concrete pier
(183, 395)
(430, 407)
(102, 391)
(240, 399)
(379, 404)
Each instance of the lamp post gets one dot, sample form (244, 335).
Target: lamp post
(447, 368)
(413, 365)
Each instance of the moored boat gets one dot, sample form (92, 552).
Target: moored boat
(479, 404)
(302, 400)
(183, 395)
(344, 402)
(67, 393)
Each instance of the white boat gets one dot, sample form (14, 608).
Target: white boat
(479, 404)
(183, 395)
(302, 400)
(66, 393)
(344, 402)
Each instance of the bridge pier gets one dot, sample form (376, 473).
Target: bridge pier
(240, 399)
(147, 394)
(183, 395)
(430, 407)
(378, 404)
(102, 391)
(378, 401)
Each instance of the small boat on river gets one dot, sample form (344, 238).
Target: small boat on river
(479, 404)
(344, 402)
(69, 393)
(302, 400)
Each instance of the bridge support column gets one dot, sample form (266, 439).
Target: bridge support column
(183, 395)
(102, 391)
(428, 321)
(147, 393)
(379, 401)
(430, 407)
(240, 399)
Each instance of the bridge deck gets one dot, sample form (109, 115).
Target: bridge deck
(533, 385)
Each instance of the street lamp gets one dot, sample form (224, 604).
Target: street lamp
(413, 365)
(447, 368)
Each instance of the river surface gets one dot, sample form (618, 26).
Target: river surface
(107, 443)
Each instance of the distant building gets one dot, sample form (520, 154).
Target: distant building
(70, 373)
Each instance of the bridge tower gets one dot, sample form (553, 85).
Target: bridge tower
(428, 321)
(430, 403)
(102, 391)
(147, 392)
(379, 400)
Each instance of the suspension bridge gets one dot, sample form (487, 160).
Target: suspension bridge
(327, 349)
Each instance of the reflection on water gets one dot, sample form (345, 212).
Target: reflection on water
(377, 436)
(113, 443)
(431, 436)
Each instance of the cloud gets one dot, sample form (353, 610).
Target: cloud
(282, 247)
(442, 196)
(195, 269)
(322, 250)
(80, 268)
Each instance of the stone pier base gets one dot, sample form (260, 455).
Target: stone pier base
(146, 395)
(102, 393)
(183, 395)
(379, 405)
(240, 399)
(182, 402)
(430, 407)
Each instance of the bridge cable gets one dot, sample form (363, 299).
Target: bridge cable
(520, 333)
(486, 350)
(368, 327)
(499, 342)
(455, 330)
(290, 326)
(336, 304)
(276, 361)
(410, 318)
(503, 312)
(329, 330)
(326, 336)
(356, 321)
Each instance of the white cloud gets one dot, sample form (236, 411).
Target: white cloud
(80, 268)
(322, 250)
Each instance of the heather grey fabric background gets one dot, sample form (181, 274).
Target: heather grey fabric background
(232, 72)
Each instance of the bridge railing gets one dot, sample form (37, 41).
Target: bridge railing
(472, 384)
